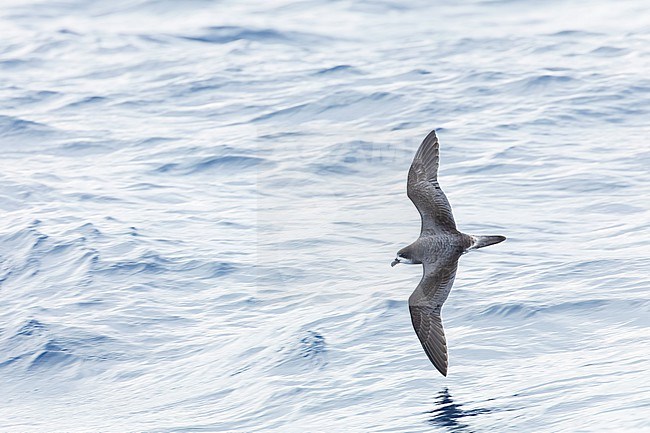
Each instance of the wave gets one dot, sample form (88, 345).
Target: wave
(214, 164)
(228, 34)
(340, 106)
(11, 127)
(37, 346)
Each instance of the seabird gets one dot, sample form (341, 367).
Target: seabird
(438, 249)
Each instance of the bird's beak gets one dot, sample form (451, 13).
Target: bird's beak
(394, 262)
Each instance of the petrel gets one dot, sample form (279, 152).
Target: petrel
(438, 249)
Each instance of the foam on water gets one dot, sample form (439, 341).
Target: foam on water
(200, 202)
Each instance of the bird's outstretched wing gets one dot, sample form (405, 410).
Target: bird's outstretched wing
(425, 304)
(425, 193)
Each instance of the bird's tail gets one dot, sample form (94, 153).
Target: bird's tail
(485, 241)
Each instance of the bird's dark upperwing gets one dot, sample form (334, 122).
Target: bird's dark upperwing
(425, 193)
(425, 304)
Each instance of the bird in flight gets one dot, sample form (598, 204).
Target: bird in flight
(438, 249)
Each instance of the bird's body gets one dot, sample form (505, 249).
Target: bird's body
(438, 249)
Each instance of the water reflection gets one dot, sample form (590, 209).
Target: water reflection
(450, 414)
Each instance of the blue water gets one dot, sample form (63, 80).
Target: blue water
(200, 200)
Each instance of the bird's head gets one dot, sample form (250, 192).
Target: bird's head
(403, 256)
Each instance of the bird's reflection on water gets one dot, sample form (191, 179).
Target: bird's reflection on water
(451, 414)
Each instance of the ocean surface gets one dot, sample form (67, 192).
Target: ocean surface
(200, 201)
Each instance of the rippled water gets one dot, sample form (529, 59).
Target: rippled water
(200, 201)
